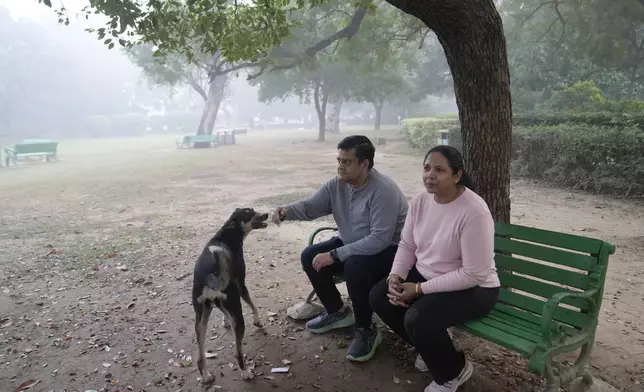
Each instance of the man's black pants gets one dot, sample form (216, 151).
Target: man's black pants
(361, 273)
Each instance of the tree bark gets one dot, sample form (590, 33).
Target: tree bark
(333, 120)
(471, 33)
(320, 98)
(211, 108)
(378, 120)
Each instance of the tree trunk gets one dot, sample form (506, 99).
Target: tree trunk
(378, 108)
(333, 120)
(320, 108)
(211, 108)
(471, 33)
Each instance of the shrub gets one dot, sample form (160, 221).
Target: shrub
(582, 96)
(610, 119)
(588, 157)
(423, 132)
(599, 158)
(97, 126)
(129, 124)
(175, 122)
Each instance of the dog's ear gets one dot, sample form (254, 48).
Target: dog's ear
(232, 224)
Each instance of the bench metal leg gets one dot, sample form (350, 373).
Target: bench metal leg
(311, 296)
(558, 378)
(553, 381)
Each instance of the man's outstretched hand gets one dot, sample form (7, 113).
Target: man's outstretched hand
(279, 215)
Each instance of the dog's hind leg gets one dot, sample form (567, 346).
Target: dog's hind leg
(236, 318)
(246, 297)
(201, 327)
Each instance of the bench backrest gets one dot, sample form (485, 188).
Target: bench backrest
(535, 264)
(30, 147)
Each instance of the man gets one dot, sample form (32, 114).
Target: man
(369, 210)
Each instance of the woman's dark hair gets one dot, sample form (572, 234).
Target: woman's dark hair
(455, 162)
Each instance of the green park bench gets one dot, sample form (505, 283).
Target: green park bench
(552, 286)
(188, 141)
(27, 148)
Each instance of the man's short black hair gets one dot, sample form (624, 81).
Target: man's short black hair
(362, 146)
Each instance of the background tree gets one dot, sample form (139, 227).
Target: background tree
(470, 32)
(202, 75)
(557, 44)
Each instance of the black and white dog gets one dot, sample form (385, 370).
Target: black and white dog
(219, 280)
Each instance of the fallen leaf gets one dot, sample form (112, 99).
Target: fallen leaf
(271, 314)
(26, 385)
(269, 377)
(396, 380)
(286, 362)
(130, 305)
(211, 355)
(6, 323)
(108, 255)
(55, 252)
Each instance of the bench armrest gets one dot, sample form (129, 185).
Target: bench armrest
(549, 327)
(318, 231)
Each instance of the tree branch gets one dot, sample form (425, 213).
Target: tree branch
(197, 87)
(347, 32)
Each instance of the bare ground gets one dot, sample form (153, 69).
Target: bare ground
(97, 250)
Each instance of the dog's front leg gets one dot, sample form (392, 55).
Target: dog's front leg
(246, 297)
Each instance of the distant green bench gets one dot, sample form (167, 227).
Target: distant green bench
(552, 286)
(188, 141)
(47, 149)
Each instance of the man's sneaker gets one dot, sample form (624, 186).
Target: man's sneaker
(364, 345)
(452, 386)
(420, 364)
(326, 322)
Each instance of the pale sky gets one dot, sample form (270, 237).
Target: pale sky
(31, 9)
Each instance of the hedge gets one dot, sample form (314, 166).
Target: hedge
(129, 124)
(612, 119)
(593, 158)
(96, 126)
(609, 119)
(423, 132)
(175, 122)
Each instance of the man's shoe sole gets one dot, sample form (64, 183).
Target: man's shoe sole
(371, 353)
(344, 323)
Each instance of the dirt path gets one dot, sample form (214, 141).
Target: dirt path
(96, 253)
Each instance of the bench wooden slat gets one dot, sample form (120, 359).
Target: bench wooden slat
(535, 305)
(541, 289)
(546, 237)
(552, 255)
(542, 271)
(509, 327)
(500, 337)
(529, 317)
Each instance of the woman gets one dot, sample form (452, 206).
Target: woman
(443, 273)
